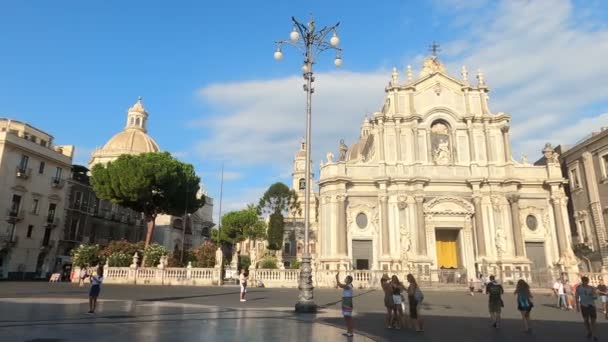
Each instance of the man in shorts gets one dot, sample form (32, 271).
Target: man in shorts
(603, 293)
(585, 304)
(495, 304)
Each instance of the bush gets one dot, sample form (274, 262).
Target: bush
(268, 263)
(245, 262)
(153, 253)
(276, 230)
(294, 265)
(86, 255)
(123, 246)
(120, 259)
(204, 255)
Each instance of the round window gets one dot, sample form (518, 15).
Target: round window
(531, 222)
(361, 220)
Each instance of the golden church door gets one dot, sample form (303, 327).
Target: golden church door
(447, 248)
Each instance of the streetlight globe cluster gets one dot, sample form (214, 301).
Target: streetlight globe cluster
(278, 55)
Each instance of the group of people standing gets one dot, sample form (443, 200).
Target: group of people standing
(395, 293)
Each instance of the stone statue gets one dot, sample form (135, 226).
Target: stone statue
(330, 157)
(135, 260)
(501, 240)
(524, 159)
(343, 150)
(441, 155)
(253, 256)
(406, 241)
(219, 257)
(554, 158)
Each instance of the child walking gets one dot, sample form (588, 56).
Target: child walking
(524, 303)
(347, 303)
(96, 281)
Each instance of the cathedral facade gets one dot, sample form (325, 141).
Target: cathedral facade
(431, 184)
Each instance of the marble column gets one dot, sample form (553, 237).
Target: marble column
(472, 156)
(384, 222)
(518, 239)
(421, 225)
(481, 240)
(398, 140)
(415, 142)
(341, 225)
(489, 153)
(562, 242)
(381, 158)
(506, 143)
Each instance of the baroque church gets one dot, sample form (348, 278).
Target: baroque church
(431, 184)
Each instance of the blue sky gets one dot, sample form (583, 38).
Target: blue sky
(215, 94)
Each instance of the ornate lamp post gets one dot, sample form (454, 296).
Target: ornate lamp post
(311, 43)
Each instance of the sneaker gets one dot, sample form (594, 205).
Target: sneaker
(243, 300)
(347, 334)
(90, 312)
(494, 325)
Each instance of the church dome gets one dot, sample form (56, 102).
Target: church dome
(131, 141)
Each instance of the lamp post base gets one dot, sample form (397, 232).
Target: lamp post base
(305, 302)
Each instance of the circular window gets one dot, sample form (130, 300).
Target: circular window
(361, 220)
(531, 222)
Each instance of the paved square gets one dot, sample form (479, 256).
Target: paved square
(57, 312)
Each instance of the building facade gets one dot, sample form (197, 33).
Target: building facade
(586, 165)
(431, 184)
(91, 220)
(33, 172)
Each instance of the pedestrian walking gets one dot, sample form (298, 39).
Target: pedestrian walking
(347, 303)
(569, 293)
(524, 303)
(397, 287)
(602, 291)
(415, 298)
(388, 299)
(471, 287)
(558, 290)
(585, 303)
(243, 282)
(96, 281)
(82, 276)
(495, 303)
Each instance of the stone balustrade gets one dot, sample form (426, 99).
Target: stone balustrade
(289, 278)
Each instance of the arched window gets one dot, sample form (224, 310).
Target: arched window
(441, 146)
(178, 223)
(302, 184)
(137, 122)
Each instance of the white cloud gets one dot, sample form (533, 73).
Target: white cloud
(262, 122)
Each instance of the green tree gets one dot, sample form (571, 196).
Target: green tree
(240, 225)
(278, 201)
(205, 255)
(86, 255)
(151, 183)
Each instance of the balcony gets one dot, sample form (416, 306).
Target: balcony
(6, 242)
(23, 173)
(51, 222)
(13, 215)
(57, 182)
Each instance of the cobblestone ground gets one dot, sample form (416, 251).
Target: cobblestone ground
(57, 312)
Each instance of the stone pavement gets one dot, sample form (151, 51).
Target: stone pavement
(56, 312)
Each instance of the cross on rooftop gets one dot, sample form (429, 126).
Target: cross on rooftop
(434, 49)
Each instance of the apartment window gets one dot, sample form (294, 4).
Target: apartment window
(23, 162)
(52, 208)
(58, 172)
(604, 166)
(77, 199)
(35, 206)
(30, 228)
(287, 248)
(41, 167)
(15, 203)
(43, 143)
(575, 181)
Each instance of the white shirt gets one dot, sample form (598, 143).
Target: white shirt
(96, 280)
(347, 291)
(559, 287)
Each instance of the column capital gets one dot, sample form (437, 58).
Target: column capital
(341, 197)
(477, 198)
(505, 128)
(556, 199)
(419, 198)
(513, 198)
(383, 198)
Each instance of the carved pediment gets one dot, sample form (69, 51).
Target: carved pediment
(448, 205)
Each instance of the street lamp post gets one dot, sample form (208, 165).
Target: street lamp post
(311, 43)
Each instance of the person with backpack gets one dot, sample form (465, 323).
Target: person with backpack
(495, 304)
(524, 303)
(415, 298)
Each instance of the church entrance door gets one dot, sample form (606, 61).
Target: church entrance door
(362, 254)
(447, 248)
